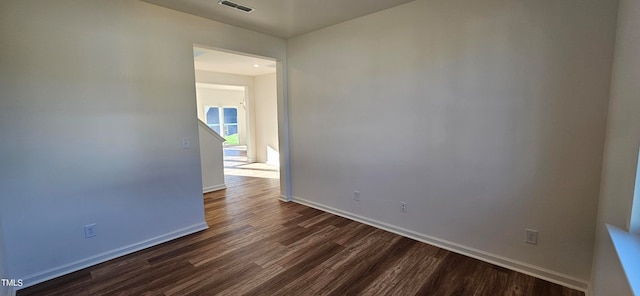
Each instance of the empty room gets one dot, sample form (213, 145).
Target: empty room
(412, 147)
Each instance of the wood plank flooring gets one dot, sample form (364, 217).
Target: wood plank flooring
(257, 245)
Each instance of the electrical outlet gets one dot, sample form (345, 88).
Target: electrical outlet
(356, 195)
(403, 207)
(89, 230)
(531, 236)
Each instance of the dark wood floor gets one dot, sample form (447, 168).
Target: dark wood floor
(257, 245)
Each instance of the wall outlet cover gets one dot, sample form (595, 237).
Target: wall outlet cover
(89, 230)
(531, 236)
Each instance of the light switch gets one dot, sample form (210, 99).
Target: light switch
(186, 144)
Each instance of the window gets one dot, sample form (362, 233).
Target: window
(224, 120)
(213, 119)
(230, 119)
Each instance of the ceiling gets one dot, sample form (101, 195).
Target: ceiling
(219, 86)
(225, 62)
(281, 18)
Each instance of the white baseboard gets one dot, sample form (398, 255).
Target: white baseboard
(284, 198)
(214, 188)
(532, 270)
(55, 272)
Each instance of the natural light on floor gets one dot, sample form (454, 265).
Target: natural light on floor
(259, 170)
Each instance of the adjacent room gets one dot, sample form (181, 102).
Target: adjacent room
(236, 97)
(361, 147)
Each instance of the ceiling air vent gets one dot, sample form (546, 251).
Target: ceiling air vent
(236, 5)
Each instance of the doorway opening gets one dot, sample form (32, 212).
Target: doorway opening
(237, 99)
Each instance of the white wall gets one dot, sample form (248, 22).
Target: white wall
(211, 159)
(485, 117)
(207, 97)
(95, 99)
(266, 111)
(621, 152)
(4, 290)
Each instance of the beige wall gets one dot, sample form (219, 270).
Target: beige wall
(621, 152)
(485, 117)
(266, 108)
(115, 82)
